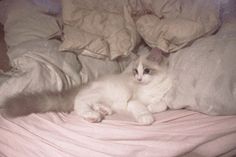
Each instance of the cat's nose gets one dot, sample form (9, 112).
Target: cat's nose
(139, 79)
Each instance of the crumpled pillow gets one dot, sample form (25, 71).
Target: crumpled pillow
(168, 34)
(97, 33)
(174, 24)
(204, 74)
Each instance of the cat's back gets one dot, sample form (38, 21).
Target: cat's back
(115, 80)
(116, 87)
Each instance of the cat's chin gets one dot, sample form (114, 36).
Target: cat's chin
(142, 82)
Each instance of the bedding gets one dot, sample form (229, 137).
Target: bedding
(174, 24)
(104, 32)
(34, 25)
(175, 133)
(100, 33)
(49, 6)
(4, 61)
(206, 73)
(3, 12)
(37, 66)
(39, 63)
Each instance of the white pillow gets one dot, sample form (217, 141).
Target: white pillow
(205, 75)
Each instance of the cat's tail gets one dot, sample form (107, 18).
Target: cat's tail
(26, 103)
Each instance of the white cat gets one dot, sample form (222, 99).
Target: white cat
(138, 90)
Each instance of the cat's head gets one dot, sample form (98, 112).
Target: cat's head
(148, 66)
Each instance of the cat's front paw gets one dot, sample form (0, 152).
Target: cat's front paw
(156, 108)
(92, 116)
(145, 119)
(104, 110)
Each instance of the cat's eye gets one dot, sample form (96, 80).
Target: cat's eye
(135, 71)
(146, 71)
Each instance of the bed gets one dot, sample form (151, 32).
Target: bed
(54, 45)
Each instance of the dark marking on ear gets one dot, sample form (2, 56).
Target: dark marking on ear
(156, 55)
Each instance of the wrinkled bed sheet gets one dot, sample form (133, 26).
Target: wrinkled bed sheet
(175, 133)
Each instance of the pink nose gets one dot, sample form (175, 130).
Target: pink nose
(139, 79)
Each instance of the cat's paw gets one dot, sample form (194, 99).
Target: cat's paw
(145, 119)
(92, 116)
(104, 110)
(155, 108)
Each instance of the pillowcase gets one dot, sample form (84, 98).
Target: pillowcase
(174, 24)
(97, 33)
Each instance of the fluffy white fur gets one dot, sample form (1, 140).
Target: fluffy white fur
(138, 90)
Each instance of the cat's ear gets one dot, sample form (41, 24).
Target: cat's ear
(158, 56)
(155, 55)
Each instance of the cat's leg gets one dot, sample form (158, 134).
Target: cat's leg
(86, 112)
(157, 107)
(102, 109)
(140, 112)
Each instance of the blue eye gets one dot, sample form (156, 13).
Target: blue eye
(146, 71)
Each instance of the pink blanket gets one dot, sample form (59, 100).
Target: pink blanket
(175, 133)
